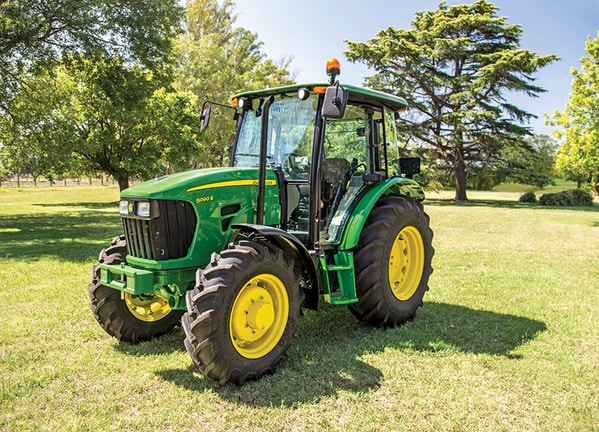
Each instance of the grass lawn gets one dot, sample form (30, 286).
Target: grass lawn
(508, 338)
(560, 185)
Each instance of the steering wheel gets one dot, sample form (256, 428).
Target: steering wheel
(297, 166)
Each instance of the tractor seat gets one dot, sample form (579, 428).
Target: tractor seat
(333, 170)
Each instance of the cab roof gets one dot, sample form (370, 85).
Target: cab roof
(356, 94)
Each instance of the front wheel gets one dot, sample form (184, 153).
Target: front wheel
(242, 317)
(392, 262)
(122, 315)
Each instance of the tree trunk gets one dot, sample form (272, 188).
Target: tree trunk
(123, 182)
(459, 171)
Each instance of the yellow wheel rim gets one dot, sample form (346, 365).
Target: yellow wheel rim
(259, 316)
(406, 263)
(147, 308)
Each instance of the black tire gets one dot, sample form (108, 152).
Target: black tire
(243, 314)
(395, 245)
(126, 317)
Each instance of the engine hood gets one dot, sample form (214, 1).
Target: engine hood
(179, 186)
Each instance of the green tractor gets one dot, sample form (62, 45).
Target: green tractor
(316, 205)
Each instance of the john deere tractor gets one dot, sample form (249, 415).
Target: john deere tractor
(315, 206)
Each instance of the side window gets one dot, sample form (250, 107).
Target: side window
(346, 139)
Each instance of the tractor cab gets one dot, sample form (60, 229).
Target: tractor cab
(327, 143)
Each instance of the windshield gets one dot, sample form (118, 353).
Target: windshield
(290, 134)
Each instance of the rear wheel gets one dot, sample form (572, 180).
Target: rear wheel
(244, 314)
(392, 262)
(122, 315)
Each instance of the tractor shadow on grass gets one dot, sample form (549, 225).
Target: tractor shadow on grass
(329, 355)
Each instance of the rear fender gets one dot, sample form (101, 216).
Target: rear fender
(357, 220)
(296, 250)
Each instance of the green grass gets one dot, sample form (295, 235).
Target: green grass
(560, 185)
(508, 338)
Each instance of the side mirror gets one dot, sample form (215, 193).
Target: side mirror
(205, 118)
(335, 101)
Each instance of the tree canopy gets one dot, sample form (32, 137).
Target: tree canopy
(33, 33)
(457, 67)
(578, 157)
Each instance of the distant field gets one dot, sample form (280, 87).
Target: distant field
(560, 185)
(509, 192)
(507, 340)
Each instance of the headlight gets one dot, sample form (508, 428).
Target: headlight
(143, 209)
(134, 208)
(124, 207)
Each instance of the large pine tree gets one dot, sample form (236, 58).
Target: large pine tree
(457, 67)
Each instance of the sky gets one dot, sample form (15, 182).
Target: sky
(312, 31)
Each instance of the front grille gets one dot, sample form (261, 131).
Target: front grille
(167, 236)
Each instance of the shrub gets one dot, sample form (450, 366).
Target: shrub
(573, 197)
(528, 197)
(581, 197)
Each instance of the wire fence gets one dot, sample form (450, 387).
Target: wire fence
(30, 182)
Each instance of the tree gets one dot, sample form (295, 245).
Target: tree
(531, 162)
(33, 33)
(4, 165)
(456, 67)
(37, 37)
(578, 157)
(24, 134)
(112, 118)
(543, 157)
(216, 59)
